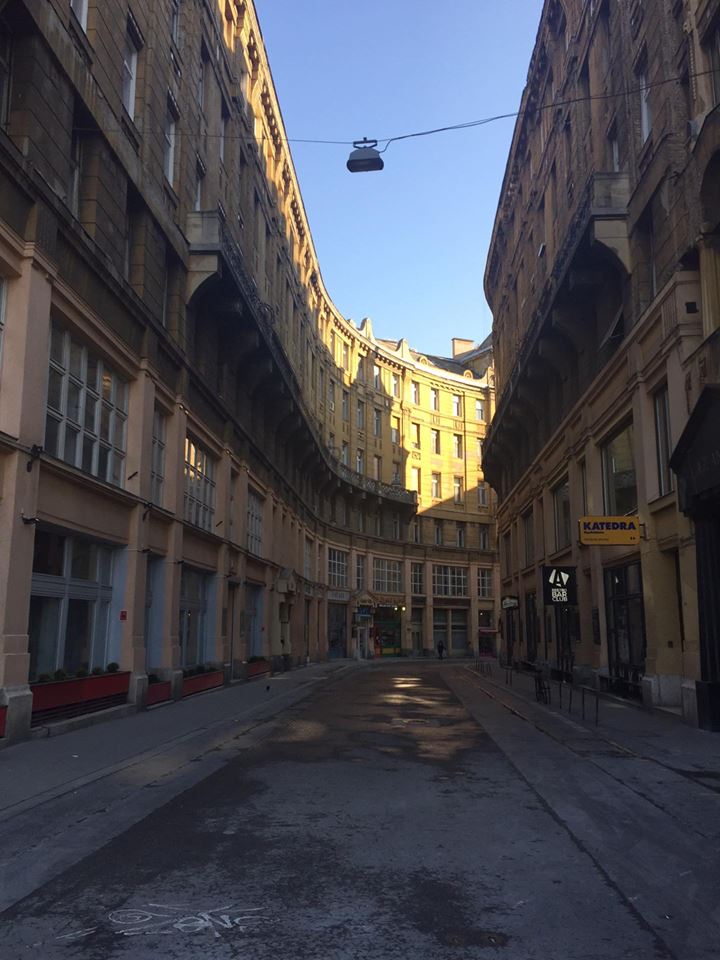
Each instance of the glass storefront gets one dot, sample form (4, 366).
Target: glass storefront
(625, 622)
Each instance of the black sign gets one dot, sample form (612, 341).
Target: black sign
(559, 585)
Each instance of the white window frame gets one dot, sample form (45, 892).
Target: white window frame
(255, 510)
(395, 383)
(434, 398)
(457, 405)
(129, 73)
(417, 579)
(415, 391)
(337, 568)
(645, 110)
(199, 487)
(359, 571)
(449, 581)
(169, 135)
(387, 575)
(485, 583)
(157, 458)
(480, 411)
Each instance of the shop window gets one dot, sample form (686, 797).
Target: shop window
(619, 478)
(199, 498)
(86, 410)
(417, 579)
(387, 577)
(194, 589)
(337, 568)
(71, 592)
(449, 581)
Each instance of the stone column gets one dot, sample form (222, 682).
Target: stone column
(709, 249)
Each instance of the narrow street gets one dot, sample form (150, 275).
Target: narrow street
(396, 811)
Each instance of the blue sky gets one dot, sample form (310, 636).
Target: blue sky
(406, 246)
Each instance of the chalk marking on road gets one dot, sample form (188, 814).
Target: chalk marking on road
(78, 934)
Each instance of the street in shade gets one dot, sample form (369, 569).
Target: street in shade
(392, 810)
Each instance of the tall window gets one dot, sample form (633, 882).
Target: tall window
(458, 490)
(360, 461)
(346, 406)
(377, 422)
(561, 499)
(254, 523)
(529, 537)
(438, 533)
(308, 559)
(337, 568)
(175, 21)
(395, 430)
(457, 405)
(395, 382)
(662, 440)
(70, 601)
(86, 410)
(129, 72)
(415, 391)
(434, 399)
(199, 185)
(5, 53)
(449, 581)
(80, 9)
(435, 441)
(345, 356)
(360, 571)
(345, 453)
(377, 382)
(360, 415)
(715, 64)
(360, 375)
(480, 410)
(387, 576)
(484, 536)
(377, 467)
(417, 579)
(485, 590)
(482, 490)
(645, 111)
(478, 450)
(199, 498)
(436, 486)
(619, 479)
(461, 533)
(157, 460)
(169, 142)
(415, 434)
(457, 446)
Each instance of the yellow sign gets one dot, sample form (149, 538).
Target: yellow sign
(620, 531)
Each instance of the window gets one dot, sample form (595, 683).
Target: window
(529, 537)
(71, 593)
(360, 571)
(76, 159)
(361, 369)
(360, 461)
(308, 559)
(222, 137)
(377, 382)
(645, 111)
(199, 185)
(438, 533)
(395, 381)
(449, 581)
(80, 9)
(345, 453)
(436, 486)
(485, 590)
(194, 589)
(346, 406)
(435, 441)
(129, 73)
(483, 536)
(5, 53)
(417, 579)
(254, 523)
(461, 533)
(457, 446)
(377, 468)
(360, 415)
(3, 298)
(331, 394)
(619, 480)
(377, 422)
(478, 450)
(506, 554)
(662, 439)
(415, 433)
(482, 493)
(169, 143)
(386, 576)
(480, 410)
(715, 64)
(199, 498)
(175, 21)
(332, 344)
(415, 391)
(345, 356)
(415, 479)
(395, 430)
(458, 490)
(86, 410)
(434, 399)
(396, 472)
(561, 500)
(457, 405)
(337, 568)
(157, 460)
(201, 80)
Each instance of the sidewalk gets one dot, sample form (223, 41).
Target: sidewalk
(35, 771)
(650, 734)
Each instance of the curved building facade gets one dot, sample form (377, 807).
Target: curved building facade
(206, 469)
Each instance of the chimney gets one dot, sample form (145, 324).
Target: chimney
(461, 346)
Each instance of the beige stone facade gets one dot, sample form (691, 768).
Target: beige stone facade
(603, 276)
(201, 460)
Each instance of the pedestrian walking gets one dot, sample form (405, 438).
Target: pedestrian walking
(441, 649)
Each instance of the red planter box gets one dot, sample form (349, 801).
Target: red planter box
(159, 692)
(3, 714)
(203, 681)
(63, 693)
(257, 669)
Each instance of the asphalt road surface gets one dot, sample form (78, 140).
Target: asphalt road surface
(401, 811)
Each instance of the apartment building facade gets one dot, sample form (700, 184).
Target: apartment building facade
(202, 463)
(603, 276)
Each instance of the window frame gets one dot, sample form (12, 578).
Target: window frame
(663, 439)
(563, 525)
(131, 52)
(199, 483)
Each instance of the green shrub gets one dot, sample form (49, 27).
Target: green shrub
(255, 659)
(60, 675)
(82, 672)
(113, 667)
(44, 678)
(97, 671)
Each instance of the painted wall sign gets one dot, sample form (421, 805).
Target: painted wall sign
(559, 585)
(510, 603)
(622, 531)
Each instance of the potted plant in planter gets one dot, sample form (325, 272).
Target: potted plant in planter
(159, 691)
(204, 676)
(61, 695)
(256, 667)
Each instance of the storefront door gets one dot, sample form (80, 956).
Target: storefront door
(337, 630)
(625, 622)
